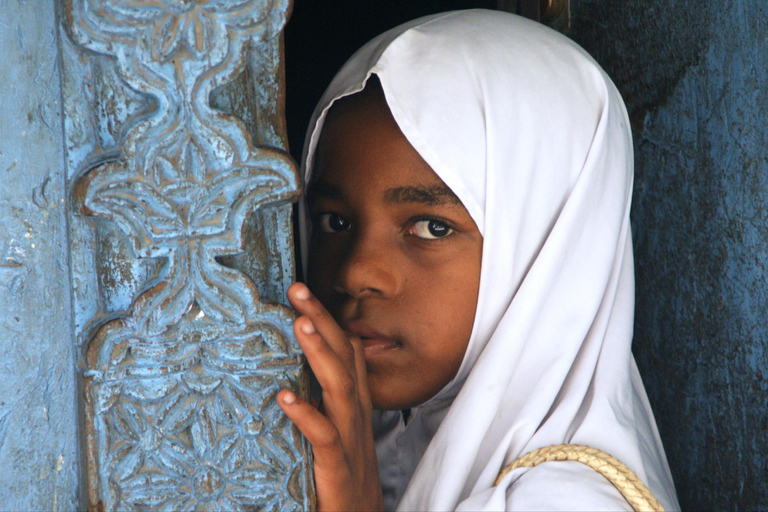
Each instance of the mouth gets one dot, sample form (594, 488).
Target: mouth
(374, 342)
(375, 346)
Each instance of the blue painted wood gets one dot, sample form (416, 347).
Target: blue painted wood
(39, 461)
(145, 251)
(182, 247)
(694, 78)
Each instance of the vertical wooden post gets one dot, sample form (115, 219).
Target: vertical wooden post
(181, 245)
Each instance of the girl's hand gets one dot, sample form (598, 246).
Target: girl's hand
(341, 434)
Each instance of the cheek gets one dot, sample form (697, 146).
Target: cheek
(446, 311)
(459, 287)
(460, 304)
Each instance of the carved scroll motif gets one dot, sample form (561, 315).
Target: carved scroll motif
(180, 409)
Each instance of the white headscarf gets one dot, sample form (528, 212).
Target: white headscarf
(533, 137)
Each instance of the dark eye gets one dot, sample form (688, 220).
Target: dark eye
(430, 229)
(332, 223)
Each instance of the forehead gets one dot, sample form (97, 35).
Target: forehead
(362, 151)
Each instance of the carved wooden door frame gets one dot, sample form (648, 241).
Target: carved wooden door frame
(179, 190)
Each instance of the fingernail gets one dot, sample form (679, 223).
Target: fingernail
(302, 293)
(307, 327)
(289, 398)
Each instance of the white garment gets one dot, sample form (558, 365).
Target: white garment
(534, 139)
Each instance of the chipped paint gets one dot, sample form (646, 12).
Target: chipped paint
(153, 215)
(38, 416)
(3, 427)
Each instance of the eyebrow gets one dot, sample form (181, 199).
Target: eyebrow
(431, 195)
(423, 194)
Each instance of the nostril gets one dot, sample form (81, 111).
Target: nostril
(356, 292)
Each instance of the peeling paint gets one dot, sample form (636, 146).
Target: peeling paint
(38, 194)
(150, 210)
(4, 416)
(20, 36)
(38, 416)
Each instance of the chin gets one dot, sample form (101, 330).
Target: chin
(385, 403)
(393, 401)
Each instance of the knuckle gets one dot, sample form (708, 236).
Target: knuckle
(346, 388)
(347, 352)
(329, 437)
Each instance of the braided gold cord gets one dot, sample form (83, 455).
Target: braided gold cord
(635, 492)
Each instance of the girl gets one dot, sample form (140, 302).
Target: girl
(470, 259)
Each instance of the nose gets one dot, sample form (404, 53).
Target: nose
(368, 268)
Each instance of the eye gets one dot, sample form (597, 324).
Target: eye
(430, 229)
(332, 223)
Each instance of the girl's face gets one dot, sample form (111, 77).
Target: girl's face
(394, 256)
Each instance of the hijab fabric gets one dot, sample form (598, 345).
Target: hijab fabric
(533, 137)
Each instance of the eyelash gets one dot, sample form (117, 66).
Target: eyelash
(451, 230)
(324, 220)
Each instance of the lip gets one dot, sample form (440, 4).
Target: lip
(374, 341)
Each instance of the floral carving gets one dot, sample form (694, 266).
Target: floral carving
(180, 392)
(199, 452)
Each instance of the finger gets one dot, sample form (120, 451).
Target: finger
(307, 304)
(362, 375)
(337, 380)
(316, 428)
(323, 360)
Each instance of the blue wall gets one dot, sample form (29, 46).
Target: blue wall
(695, 77)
